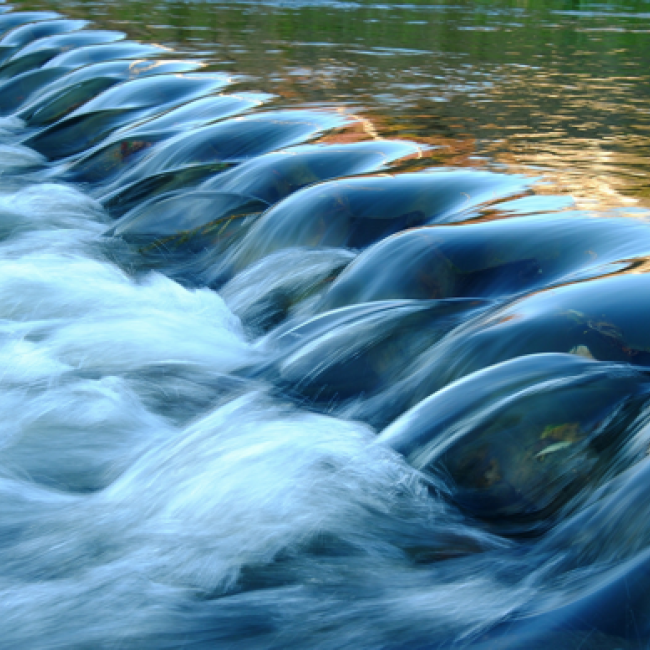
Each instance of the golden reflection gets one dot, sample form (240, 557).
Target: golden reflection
(590, 175)
(636, 266)
(146, 65)
(549, 100)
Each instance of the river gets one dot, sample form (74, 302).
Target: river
(324, 324)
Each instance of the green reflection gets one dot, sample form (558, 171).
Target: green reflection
(561, 86)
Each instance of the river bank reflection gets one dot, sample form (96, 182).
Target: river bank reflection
(531, 87)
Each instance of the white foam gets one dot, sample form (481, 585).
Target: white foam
(121, 521)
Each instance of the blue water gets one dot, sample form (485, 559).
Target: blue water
(290, 362)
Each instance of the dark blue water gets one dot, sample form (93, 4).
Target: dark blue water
(292, 358)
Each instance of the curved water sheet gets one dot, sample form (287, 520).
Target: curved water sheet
(21, 36)
(490, 259)
(273, 176)
(603, 548)
(35, 54)
(602, 600)
(105, 161)
(11, 20)
(115, 428)
(521, 438)
(166, 480)
(118, 105)
(14, 91)
(25, 81)
(264, 294)
(230, 141)
(194, 222)
(107, 52)
(74, 89)
(599, 319)
(355, 213)
(21, 88)
(359, 350)
(52, 93)
(198, 113)
(603, 319)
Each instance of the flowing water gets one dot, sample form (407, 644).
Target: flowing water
(325, 324)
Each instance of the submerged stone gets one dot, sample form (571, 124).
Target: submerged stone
(488, 259)
(519, 439)
(118, 105)
(21, 36)
(277, 175)
(80, 86)
(354, 213)
(37, 53)
(361, 349)
(206, 219)
(105, 52)
(232, 141)
(11, 20)
(264, 295)
(604, 315)
(106, 161)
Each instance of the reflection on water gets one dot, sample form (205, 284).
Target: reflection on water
(559, 88)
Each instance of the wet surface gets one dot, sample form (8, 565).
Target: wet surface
(560, 88)
(324, 325)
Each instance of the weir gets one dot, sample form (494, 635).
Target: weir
(275, 377)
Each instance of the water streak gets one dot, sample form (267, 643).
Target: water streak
(266, 386)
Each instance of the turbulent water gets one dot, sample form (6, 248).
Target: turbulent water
(271, 380)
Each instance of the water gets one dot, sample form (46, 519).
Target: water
(323, 325)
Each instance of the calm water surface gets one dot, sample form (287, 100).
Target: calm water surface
(555, 89)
